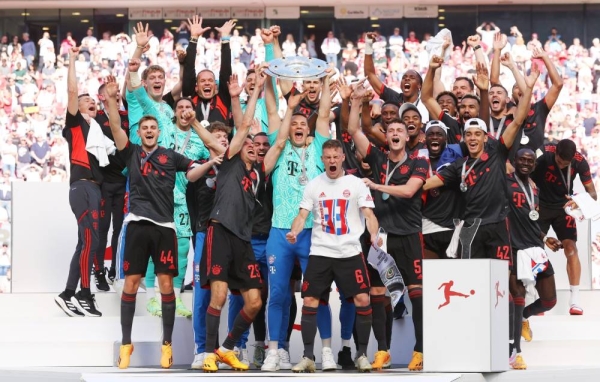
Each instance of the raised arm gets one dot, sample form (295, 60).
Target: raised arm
(285, 85)
(507, 61)
(438, 86)
(176, 91)
(114, 119)
(511, 131)
(209, 140)
(345, 91)
(557, 82)
(370, 71)
(482, 81)
(189, 73)
(236, 107)
(360, 139)
(283, 133)
(325, 106)
(500, 41)
(242, 132)
(473, 42)
(271, 104)
(72, 89)
(430, 103)
(198, 171)
(225, 70)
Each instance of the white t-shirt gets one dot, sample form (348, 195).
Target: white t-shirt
(338, 221)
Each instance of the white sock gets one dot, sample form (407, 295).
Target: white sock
(189, 271)
(326, 342)
(177, 292)
(346, 343)
(574, 300)
(273, 345)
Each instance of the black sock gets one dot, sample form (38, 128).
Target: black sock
(309, 330)
(293, 313)
(538, 307)
(69, 293)
(364, 321)
(416, 299)
(241, 323)
(213, 319)
(168, 316)
(85, 292)
(511, 323)
(127, 313)
(379, 321)
(259, 324)
(518, 321)
(389, 323)
(355, 335)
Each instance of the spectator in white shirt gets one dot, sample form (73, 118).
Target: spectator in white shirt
(46, 49)
(331, 48)
(396, 42)
(90, 40)
(289, 46)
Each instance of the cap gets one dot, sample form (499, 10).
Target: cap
(406, 107)
(475, 123)
(435, 123)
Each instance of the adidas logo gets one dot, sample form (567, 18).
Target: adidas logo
(171, 266)
(363, 286)
(322, 195)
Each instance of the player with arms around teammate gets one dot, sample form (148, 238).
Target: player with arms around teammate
(151, 230)
(340, 204)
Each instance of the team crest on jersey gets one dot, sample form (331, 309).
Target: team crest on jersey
(304, 286)
(162, 159)
(95, 215)
(125, 266)
(272, 259)
(216, 270)
(404, 169)
(253, 175)
(484, 157)
(346, 193)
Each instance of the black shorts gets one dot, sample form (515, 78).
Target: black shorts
(549, 271)
(296, 271)
(492, 241)
(564, 225)
(350, 275)
(226, 257)
(145, 240)
(407, 252)
(438, 242)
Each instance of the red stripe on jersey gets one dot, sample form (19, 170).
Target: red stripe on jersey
(209, 239)
(79, 155)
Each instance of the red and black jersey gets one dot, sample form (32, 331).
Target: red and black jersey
(534, 125)
(548, 177)
(236, 195)
(83, 164)
(455, 128)
(204, 191)
(486, 196)
(400, 216)
(113, 173)
(152, 180)
(524, 232)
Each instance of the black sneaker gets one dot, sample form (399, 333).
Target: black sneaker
(67, 306)
(86, 305)
(111, 274)
(345, 359)
(101, 283)
(190, 286)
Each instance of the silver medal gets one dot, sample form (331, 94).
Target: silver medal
(210, 182)
(534, 215)
(463, 187)
(385, 196)
(524, 139)
(303, 180)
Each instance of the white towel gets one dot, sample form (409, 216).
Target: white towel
(453, 247)
(588, 207)
(434, 45)
(530, 262)
(98, 144)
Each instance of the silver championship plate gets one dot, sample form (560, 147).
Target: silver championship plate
(297, 68)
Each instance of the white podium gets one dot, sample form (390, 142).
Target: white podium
(465, 315)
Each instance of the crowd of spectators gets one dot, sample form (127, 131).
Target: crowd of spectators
(33, 89)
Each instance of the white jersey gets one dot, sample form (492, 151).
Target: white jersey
(338, 222)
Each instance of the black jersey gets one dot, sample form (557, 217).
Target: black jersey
(113, 173)
(400, 216)
(551, 183)
(455, 128)
(235, 197)
(441, 205)
(152, 180)
(524, 232)
(83, 164)
(486, 196)
(263, 211)
(204, 192)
